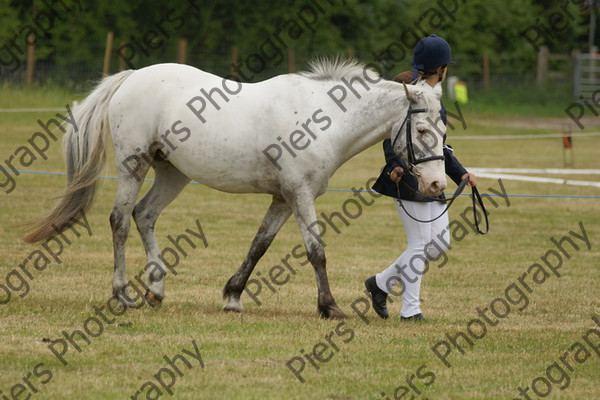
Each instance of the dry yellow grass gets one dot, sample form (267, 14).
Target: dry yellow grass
(244, 355)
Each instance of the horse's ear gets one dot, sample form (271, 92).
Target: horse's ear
(409, 95)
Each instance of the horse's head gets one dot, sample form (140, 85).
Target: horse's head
(418, 138)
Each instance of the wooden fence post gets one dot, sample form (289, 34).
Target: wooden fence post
(350, 51)
(542, 64)
(291, 60)
(109, 44)
(234, 60)
(486, 71)
(30, 58)
(182, 45)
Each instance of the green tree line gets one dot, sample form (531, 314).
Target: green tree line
(70, 35)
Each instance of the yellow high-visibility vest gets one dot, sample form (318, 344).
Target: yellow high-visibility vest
(460, 92)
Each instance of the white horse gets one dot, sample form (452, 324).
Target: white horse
(285, 136)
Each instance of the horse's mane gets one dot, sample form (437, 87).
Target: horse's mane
(336, 68)
(325, 68)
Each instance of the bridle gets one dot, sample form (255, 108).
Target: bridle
(413, 160)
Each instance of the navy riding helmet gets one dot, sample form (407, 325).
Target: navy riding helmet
(431, 52)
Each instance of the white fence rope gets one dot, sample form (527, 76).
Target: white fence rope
(536, 179)
(541, 136)
(537, 171)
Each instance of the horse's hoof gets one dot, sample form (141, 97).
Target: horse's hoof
(233, 304)
(152, 298)
(331, 312)
(226, 308)
(125, 300)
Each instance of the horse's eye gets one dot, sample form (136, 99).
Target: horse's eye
(421, 130)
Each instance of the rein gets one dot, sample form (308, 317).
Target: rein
(475, 197)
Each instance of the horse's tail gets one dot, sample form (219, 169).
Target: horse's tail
(84, 148)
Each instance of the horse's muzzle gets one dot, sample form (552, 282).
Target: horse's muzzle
(433, 188)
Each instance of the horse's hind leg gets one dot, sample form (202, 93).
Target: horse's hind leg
(120, 222)
(279, 212)
(169, 182)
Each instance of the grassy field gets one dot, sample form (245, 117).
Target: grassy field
(538, 343)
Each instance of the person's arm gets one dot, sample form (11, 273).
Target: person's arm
(454, 168)
(394, 167)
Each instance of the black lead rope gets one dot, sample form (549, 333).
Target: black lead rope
(475, 196)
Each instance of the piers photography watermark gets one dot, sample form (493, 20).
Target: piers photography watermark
(325, 350)
(36, 147)
(18, 279)
(167, 376)
(515, 295)
(107, 314)
(13, 50)
(559, 371)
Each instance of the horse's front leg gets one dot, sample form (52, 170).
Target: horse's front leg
(304, 211)
(279, 212)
